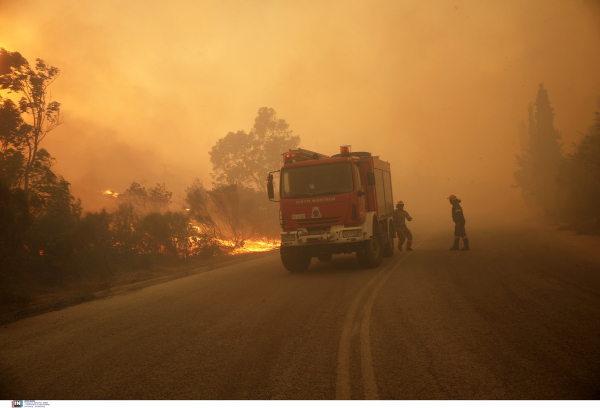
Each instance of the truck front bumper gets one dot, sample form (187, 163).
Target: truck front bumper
(338, 234)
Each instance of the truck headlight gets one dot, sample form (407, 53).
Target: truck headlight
(288, 237)
(351, 233)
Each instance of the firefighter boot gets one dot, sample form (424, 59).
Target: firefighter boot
(455, 247)
(408, 244)
(400, 246)
(465, 244)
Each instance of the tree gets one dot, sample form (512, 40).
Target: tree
(541, 157)
(580, 178)
(94, 233)
(54, 231)
(14, 222)
(158, 232)
(168, 232)
(12, 145)
(159, 198)
(16, 75)
(199, 204)
(230, 213)
(181, 233)
(124, 221)
(245, 159)
(155, 199)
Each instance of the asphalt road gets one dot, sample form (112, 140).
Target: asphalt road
(517, 317)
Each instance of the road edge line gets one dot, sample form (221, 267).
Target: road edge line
(16, 315)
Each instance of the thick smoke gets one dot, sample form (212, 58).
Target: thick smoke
(438, 89)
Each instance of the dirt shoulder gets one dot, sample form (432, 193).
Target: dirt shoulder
(42, 300)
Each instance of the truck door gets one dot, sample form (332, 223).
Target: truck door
(360, 186)
(380, 194)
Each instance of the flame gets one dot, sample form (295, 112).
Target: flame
(249, 245)
(257, 246)
(110, 193)
(261, 245)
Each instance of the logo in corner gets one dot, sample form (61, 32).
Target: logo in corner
(17, 404)
(316, 213)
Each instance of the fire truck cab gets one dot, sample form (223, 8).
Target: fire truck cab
(334, 205)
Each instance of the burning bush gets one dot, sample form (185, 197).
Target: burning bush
(232, 214)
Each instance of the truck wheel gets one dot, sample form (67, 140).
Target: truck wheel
(325, 257)
(294, 259)
(371, 253)
(388, 249)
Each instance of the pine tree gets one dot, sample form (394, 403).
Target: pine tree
(541, 157)
(580, 179)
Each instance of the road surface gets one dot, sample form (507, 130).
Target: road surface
(517, 317)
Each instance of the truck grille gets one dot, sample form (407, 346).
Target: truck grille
(318, 221)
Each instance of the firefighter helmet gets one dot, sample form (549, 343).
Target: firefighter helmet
(452, 197)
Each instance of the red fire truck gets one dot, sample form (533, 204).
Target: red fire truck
(334, 205)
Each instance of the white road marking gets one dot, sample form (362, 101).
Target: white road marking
(349, 330)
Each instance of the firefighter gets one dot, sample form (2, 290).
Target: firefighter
(400, 217)
(459, 224)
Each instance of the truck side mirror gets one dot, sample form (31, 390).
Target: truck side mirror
(371, 178)
(270, 190)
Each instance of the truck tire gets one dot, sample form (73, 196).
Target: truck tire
(388, 249)
(371, 251)
(294, 259)
(325, 257)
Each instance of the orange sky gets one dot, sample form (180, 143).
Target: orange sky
(437, 88)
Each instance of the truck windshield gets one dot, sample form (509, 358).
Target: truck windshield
(317, 180)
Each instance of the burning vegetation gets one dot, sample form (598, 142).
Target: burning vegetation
(47, 242)
(225, 219)
(110, 193)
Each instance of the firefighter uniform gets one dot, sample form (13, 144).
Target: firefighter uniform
(400, 217)
(459, 224)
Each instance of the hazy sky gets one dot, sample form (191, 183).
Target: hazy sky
(436, 88)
